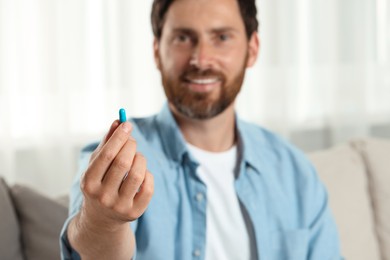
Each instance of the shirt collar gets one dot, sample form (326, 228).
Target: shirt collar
(170, 134)
(252, 143)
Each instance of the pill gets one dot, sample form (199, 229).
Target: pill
(122, 115)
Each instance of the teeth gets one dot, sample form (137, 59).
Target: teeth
(204, 81)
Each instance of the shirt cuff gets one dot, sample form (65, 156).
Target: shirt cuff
(67, 252)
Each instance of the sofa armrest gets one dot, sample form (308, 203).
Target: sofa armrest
(10, 245)
(41, 220)
(376, 156)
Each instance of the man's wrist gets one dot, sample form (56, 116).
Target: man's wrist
(87, 237)
(99, 225)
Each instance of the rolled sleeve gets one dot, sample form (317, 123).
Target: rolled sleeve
(76, 199)
(67, 252)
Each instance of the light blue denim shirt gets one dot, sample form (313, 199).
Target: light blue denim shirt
(279, 190)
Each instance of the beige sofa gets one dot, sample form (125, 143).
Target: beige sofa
(357, 175)
(30, 224)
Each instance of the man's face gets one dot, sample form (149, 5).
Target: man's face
(202, 55)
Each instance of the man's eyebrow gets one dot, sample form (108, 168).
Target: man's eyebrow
(223, 29)
(184, 31)
(217, 30)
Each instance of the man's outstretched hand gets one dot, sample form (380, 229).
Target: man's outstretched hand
(117, 189)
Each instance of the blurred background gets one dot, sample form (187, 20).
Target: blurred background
(66, 67)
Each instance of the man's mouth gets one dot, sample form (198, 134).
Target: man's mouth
(203, 81)
(202, 84)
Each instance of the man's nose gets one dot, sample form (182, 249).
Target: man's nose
(203, 55)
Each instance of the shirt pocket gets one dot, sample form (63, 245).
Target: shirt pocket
(290, 244)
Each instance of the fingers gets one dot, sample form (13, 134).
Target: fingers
(117, 182)
(145, 193)
(107, 153)
(121, 165)
(135, 178)
(134, 193)
(113, 126)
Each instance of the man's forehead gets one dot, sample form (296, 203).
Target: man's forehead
(202, 2)
(204, 13)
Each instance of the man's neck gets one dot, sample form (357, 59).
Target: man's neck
(216, 134)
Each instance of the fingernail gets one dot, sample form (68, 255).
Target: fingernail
(126, 127)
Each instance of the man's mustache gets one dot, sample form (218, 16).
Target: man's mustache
(197, 73)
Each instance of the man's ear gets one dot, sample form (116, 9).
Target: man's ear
(253, 49)
(156, 53)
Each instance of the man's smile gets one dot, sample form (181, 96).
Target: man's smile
(202, 84)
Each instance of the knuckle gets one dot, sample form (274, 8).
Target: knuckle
(88, 187)
(150, 175)
(125, 209)
(122, 163)
(136, 176)
(107, 156)
(106, 200)
(140, 159)
(132, 214)
(122, 209)
(122, 136)
(132, 142)
(148, 190)
(139, 209)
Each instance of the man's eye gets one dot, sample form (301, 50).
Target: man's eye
(182, 38)
(223, 37)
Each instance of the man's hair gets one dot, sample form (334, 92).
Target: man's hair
(247, 9)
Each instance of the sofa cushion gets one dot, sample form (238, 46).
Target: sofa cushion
(376, 153)
(343, 172)
(10, 247)
(41, 220)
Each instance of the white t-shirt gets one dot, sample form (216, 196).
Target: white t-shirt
(226, 233)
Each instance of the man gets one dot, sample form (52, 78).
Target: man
(222, 188)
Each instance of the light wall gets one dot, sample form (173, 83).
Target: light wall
(323, 77)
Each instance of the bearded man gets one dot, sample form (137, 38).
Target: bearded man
(195, 181)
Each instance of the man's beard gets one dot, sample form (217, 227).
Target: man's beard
(196, 105)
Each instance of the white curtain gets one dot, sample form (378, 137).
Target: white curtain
(66, 67)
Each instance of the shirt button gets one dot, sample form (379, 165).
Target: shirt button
(199, 197)
(196, 252)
